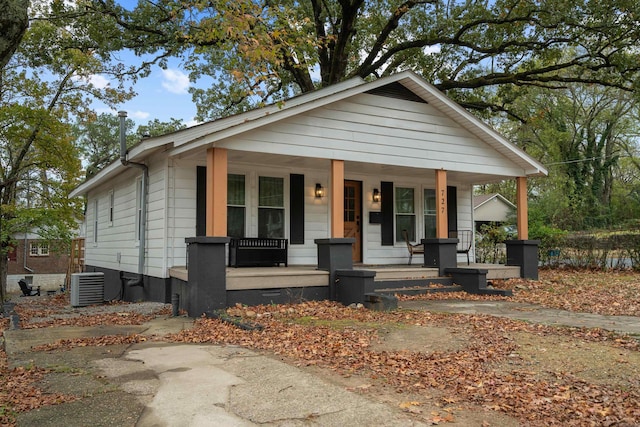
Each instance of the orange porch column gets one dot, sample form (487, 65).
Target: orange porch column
(337, 198)
(442, 227)
(217, 192)
(521, 203)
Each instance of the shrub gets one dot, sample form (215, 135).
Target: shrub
(551, 240)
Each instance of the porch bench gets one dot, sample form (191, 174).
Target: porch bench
(258, 252)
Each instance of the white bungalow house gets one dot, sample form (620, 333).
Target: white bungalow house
(358, 160)
(491, 209)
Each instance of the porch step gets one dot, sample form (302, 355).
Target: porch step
(404, 273)
(416, 286)
(417, 290)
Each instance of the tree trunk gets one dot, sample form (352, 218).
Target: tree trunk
(14, 22)
(4, 269)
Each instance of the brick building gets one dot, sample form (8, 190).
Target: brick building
(38, 262)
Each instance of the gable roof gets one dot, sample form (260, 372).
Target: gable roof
(207, 134)
(481, 199)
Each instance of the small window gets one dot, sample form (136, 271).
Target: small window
(39, 249)
(111, 207)
(270, 207)
(235, 205)
(95, 221)
(405, 213)
(139, 218)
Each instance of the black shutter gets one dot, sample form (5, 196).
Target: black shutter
(386, 210)
(452, 211)
(201, 201)
(296, 209)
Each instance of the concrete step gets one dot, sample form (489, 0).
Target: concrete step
(409, 285)
(417, 290)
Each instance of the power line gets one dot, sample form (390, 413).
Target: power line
(579, 160)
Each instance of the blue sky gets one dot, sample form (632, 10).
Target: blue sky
(162, 95)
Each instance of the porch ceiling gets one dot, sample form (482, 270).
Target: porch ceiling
(297, 163)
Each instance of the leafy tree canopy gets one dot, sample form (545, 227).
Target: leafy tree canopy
(257, 51)
(98, 137)
(44, 86)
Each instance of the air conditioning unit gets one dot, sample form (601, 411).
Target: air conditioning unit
(87, 289)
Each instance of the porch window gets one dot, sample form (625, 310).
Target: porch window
(271, 207)
(405, 213)
(429, 213)
(235, 205)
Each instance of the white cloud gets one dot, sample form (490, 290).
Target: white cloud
(175, 81)
(140, 115)
(98, 81)
(432, 49)
(135, 115)
(192, 122)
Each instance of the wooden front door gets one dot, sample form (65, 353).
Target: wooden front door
(353, 216)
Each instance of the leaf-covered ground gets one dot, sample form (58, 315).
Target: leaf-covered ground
(539, 375)
(609, 293)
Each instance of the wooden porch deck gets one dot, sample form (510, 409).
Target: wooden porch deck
(304, 276)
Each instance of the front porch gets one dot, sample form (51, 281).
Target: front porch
(208, 284)
(251, 278)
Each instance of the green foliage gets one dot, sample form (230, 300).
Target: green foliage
(260, 51)
(582, 134)
(490, 241)
(551, 241)
(98, 137)
(46, 84)
(156, 127)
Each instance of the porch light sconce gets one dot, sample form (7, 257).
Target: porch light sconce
(376, 195)
(319, 191)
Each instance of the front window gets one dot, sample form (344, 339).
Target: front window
(430, 213)
(39, 249)
(271, 207)
(405, 213)
(235, 205)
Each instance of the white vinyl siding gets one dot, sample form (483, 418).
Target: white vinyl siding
(181, 206)
(380, 130)
(122, 237)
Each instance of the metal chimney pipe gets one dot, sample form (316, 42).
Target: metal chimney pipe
(123, 137)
